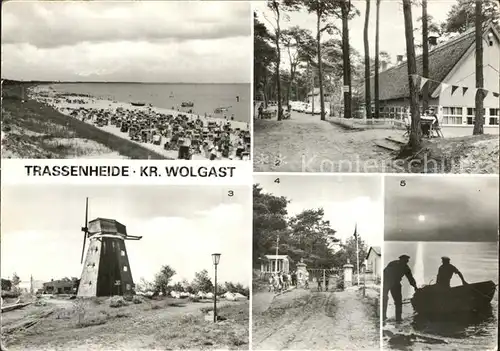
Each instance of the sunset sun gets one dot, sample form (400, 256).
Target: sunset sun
(421, 218)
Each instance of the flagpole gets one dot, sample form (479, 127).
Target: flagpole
(277, 244)
(357, 249)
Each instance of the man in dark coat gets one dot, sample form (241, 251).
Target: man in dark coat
(393, 273)
(445, 273)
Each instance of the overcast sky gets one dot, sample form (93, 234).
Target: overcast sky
(180, 226)
(392, 30)
(127, 41)
(440, 208)
(347, 200)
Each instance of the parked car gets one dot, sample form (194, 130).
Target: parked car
(317, 110)
(303, 107)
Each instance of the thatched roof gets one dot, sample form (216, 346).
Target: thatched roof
(394, 81)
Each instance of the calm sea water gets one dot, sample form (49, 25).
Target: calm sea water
(477, 262)
(206, 97)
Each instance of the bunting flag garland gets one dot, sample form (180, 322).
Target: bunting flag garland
(414, 77)
(443, 86)
(422, 82)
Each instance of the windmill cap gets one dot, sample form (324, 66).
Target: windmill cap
(404, 257)
(445, 258)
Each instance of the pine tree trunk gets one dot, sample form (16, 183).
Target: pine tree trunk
(368, 100)
(320, 68)
(425, 55)
(278, 60)
(346, 54)
(479, 115)
(377, 62)
(416, 130)
(290, 86)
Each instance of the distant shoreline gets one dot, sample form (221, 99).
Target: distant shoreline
(126, 104)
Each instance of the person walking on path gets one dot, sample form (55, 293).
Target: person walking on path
(393, 273)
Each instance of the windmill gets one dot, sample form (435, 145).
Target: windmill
(106, 270)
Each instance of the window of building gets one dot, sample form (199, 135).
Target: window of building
(493, 121)
(128, 287)
(452, 115)
(494, 111)
(472, 111)
(455, 111)
(122, 253)
(125, 268)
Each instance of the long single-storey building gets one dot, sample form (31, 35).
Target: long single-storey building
(59, 287)
(452, 63)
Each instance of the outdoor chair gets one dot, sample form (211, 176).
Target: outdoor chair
(437, 128)
(407, 126)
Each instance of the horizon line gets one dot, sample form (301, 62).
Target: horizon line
(115, 82)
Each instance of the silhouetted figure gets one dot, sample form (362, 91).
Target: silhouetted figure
(393, 273)
(294, 278)
(261, 110)
(445, 273)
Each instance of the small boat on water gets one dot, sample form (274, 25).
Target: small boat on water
(187, 104)
(436, 300)
(222, 109)
(138, 103)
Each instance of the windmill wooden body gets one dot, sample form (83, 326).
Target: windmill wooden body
(106, 270)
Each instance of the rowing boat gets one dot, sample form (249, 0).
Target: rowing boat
(437, 300)
(138, 103)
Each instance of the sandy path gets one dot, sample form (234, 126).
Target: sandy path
(138, 331)
(307, 144)
(317, 320)
(262, 301)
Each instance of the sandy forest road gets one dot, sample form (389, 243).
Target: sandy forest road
(304, 320)
(307, 144)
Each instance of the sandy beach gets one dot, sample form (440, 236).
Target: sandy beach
(214, 138)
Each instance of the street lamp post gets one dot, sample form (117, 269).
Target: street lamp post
(215, 259)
